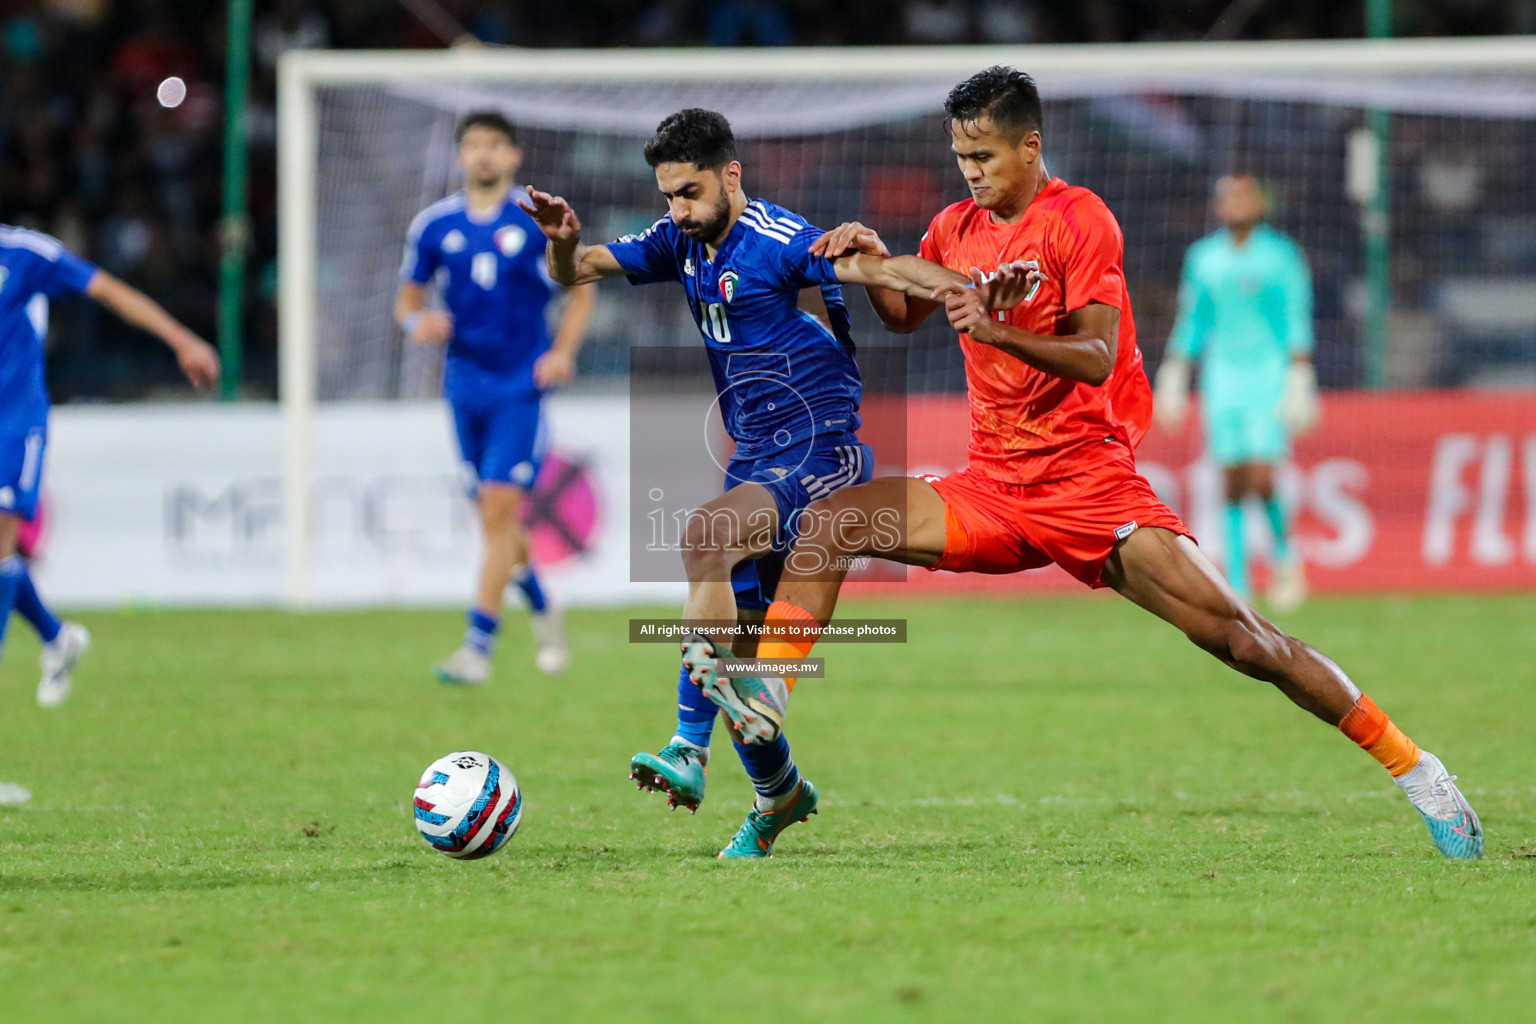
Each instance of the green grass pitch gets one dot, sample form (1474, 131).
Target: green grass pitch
(1032, 811)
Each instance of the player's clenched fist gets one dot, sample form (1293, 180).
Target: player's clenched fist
(429, 327)
(554, 368)
(555, 217)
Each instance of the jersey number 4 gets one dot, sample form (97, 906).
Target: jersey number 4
(713, 322)
(482, 270)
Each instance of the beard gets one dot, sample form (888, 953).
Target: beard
(710, 229)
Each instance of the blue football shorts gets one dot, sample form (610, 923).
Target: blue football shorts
(796, 476)
(21, 471)
(501, 438)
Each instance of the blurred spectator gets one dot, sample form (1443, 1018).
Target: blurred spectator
(290, 25)
(1005, 21)
(938, 21)
(748, 23)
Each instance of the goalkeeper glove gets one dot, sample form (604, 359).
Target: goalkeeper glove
(1299, 405)
(1170, 395)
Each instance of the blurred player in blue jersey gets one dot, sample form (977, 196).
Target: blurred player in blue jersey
(33, 269)
(1245, 313)
(760, 299)
(488, 256)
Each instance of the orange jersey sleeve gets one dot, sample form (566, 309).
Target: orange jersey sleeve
(1091, 251)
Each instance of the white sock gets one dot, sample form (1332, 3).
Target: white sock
(702, 752)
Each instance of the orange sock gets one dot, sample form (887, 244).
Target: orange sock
(789, 631)
(1370, 727)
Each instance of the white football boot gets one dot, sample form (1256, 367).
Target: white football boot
(1288, 586)
(1452, 822)
(756, 706)
(58, 660)
(553, 652)
(464, 667)
(10, 793)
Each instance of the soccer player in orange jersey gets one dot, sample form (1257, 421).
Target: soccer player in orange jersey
(1059, 402)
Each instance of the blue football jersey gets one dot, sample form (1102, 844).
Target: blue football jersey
(782, 375)
(495, 286)
(33, 268)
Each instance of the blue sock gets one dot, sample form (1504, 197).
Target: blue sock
(30, 607)
(1237, 554)
(12, 570)
(1281, 528)
(481, 634)
(769, 766)
(528, 583)
(695, 712)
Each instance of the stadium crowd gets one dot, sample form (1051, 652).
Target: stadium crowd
(89, 155)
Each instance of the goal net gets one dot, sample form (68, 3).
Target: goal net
(367, 141)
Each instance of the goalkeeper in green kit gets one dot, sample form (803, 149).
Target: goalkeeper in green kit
(1245, 313)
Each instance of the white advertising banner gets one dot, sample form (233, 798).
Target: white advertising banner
(184, 505)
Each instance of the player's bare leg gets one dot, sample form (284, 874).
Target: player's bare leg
(1169, 576)
(506, 543)
(1235, 487)
(1288, 579)
(505, 558)
(511, 559)
(738, 525)
(898, 518)
(11, 569)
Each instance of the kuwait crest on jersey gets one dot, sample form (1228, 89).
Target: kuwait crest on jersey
(510, 239)
(728, 285)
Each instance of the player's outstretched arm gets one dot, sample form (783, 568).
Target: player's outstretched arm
(912, 276)
(570, 262)
(1085, 353)
(923, 281)
(899, 312)
(196, 357)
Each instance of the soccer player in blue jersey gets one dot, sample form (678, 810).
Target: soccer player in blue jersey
(757, 294)
(1245, 314)
(488, 256)
(33, 269)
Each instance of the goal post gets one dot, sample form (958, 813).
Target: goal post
(376, 122)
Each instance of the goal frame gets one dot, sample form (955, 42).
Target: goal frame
(302, 72)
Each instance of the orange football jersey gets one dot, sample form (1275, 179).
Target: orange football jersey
(1029, 426)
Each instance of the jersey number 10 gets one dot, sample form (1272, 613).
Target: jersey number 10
(713, 322)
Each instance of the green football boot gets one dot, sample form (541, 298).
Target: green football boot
(677, 771)
(755, 837)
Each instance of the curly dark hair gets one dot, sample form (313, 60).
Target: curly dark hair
(693, 136)
(492, 119)
(1006, 95)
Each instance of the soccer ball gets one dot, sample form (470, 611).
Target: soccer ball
(467, 805)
